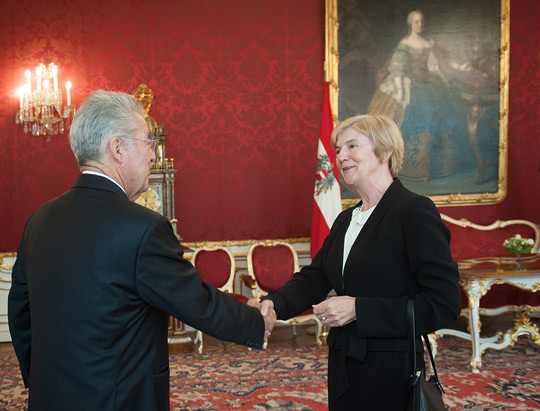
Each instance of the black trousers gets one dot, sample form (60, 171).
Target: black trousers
(379, 383)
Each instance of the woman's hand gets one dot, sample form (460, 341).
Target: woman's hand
(336, 311)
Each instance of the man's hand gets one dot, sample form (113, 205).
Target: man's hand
(268, 313)
(336, 311)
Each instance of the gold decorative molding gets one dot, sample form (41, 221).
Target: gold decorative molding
(9, 254)
(331, 62)
(6, 255)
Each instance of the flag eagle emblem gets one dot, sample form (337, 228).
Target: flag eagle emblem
(325, 175)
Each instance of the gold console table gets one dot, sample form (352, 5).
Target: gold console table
(477, 275)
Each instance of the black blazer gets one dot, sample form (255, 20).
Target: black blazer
(403, 250)
(94, 283)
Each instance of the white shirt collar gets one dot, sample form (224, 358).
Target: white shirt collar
(97, 173)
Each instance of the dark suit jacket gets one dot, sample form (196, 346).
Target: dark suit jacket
(94, 283)
(403, 250)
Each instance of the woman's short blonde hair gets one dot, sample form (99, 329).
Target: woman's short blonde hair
(382, 131)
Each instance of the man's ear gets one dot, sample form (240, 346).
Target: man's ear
(117, 149)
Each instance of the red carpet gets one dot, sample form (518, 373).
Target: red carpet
(294, 379)
(509, 380)
(277, 379)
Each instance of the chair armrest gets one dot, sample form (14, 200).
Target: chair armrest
(249, 281)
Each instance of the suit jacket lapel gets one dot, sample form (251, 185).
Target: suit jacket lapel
(371, 224)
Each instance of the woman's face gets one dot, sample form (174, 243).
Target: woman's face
(356, 160)
(417, 23)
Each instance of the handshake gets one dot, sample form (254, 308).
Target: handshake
(333, 312)
(268, 313)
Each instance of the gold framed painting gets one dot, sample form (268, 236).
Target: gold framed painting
(440, 70)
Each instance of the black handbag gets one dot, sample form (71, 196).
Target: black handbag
(424, 394)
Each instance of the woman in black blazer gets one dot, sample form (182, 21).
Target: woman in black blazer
(388, 247)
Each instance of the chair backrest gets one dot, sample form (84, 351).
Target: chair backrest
(272, 264)
(475, 240)
(216, 266)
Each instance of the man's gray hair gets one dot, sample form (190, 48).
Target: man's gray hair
(103, 115)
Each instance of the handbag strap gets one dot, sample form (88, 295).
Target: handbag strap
(411, 333)
(428, 345)
(412, 343)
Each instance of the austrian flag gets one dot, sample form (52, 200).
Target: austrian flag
(327, 195)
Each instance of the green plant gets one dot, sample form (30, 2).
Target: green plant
(517, 244)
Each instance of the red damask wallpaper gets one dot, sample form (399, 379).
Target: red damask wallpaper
(238, 86)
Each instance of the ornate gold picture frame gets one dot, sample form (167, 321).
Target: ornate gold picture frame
(453, 70)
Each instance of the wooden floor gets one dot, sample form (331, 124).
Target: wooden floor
(281, 336)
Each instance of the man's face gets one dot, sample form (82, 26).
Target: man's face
(139, 160)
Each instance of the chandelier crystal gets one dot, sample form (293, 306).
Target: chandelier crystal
(41, 111)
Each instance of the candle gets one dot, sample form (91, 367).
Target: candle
(21, 93)
(46, 91)
(68, 86)
(38, 74)
(55, 77)
(26, 95)
(28, 81)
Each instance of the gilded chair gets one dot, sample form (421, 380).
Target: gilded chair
(7, 260)
(271, 265)
(216, 266)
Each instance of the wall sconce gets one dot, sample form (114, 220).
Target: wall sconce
(40, 110)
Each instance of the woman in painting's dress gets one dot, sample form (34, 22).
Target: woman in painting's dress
(415, 92)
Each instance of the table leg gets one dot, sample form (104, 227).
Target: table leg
(524, 326)
(474, 294)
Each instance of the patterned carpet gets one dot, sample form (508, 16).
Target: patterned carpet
(294, 379)
(509, 380)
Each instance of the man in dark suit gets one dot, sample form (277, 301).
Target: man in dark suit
(98, 275)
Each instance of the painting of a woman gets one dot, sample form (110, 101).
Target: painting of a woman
(415, 92)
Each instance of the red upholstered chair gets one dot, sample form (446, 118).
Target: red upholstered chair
(270, 265)
(217, 267)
